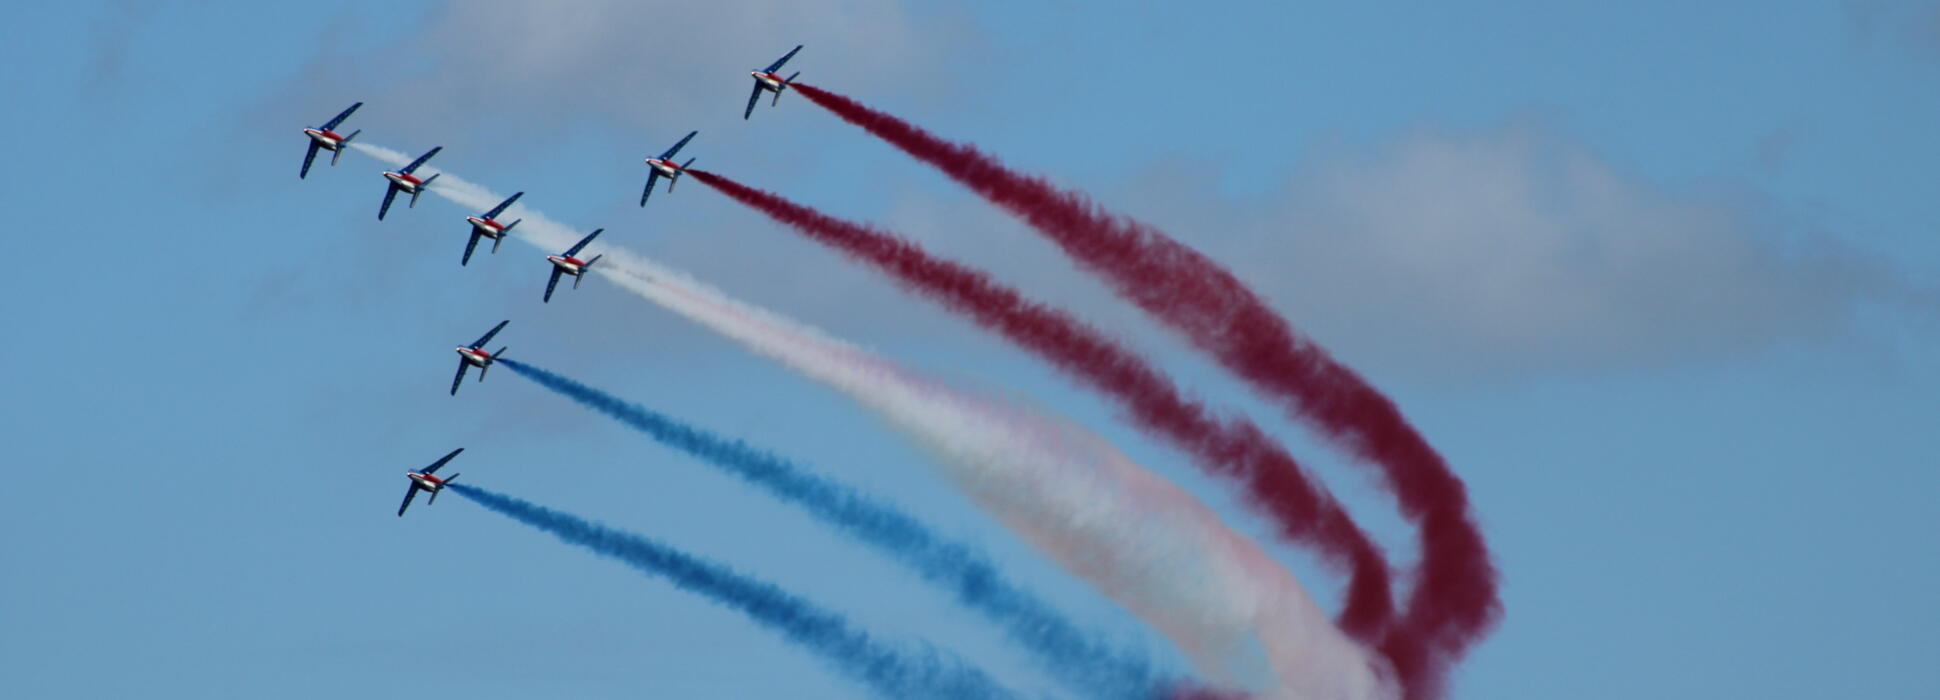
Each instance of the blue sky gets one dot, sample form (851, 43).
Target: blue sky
(1657, 279)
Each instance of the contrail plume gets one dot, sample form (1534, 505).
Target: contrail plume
(1075, 658)
(1137, 538)
(890, 671)
(1234, 448)
(1454, 601)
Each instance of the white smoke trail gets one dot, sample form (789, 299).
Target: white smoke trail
(1137, 538)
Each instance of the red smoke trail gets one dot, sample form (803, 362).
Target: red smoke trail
(1233, 448)
(1454, 600)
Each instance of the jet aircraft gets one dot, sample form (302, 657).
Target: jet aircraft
(428, 480)
(768, 79)
(474, 356)
(487, 226)
(664, 166)
(403, 181)
(325, 138)
(566, 264)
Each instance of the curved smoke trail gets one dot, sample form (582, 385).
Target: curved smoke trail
(1137, 538)
(1455, 599)
(891, 672)
(1235, 448)
(1068, 654)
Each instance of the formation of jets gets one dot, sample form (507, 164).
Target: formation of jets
(487, 225)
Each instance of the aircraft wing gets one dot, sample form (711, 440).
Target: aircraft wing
(433, 469)
(752, 98)
(772, 67)
(307, 158)
(390, 193)
(653, 176)
(551, 283)
(421, 159)
(460, 379)
(582, 243)
(469, 245)
(683, 142)
(500, 209)
(341, 116)
(409, 493)
(483, 339)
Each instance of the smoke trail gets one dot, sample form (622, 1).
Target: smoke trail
(1137, 538)
(1454, 601)
(891, 672)
(1083, 665)
(1234, 448)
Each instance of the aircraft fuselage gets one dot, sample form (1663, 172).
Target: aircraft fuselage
(426, 481)
(325, 138)
(768, 81)
(666, 166)
(477, 357)
(567, 264)
(488, 228)
(404, 181)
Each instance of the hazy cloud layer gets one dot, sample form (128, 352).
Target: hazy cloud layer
(625, 64)
(1463, 255)
(1909, 23)
(1434, 256)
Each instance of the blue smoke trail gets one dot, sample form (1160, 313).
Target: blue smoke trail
(1068, 654)
(890, 672)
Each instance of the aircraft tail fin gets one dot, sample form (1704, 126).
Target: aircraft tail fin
(434, 496)
(583, 269)
(495, 241)
(784, 86)
(501, 351)
(341, 145)
(676, 178)
(420, 190)
(508, 229)
(346, 142)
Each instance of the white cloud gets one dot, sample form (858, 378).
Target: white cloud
(1444, 255)
(628, 63)
(1435, 256)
